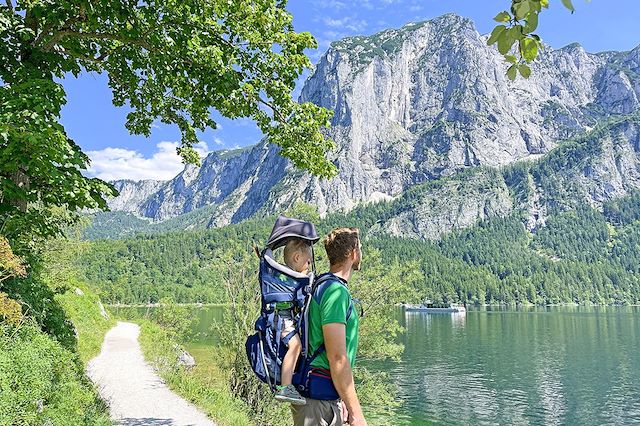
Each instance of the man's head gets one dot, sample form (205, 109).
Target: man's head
(297, 255)
(343, 247)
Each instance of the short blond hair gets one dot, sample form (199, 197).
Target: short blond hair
(340, 243)
(294, 246)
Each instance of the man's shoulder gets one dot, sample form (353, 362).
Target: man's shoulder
(331, 285)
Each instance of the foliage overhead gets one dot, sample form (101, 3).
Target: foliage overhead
(517, 26)
(169, 61)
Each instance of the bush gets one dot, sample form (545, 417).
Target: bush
(39, 302)
(84, 311)
(175, 319)
(10, 310)
(41, 381)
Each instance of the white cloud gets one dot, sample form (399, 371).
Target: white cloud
(331, 4)
(366, 4)
(120, 163)
(330, 22)
(332, 35)
(218, 141)
(346, 23)
(202, 148)
(336, 5)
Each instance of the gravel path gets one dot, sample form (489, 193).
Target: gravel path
(134, 392)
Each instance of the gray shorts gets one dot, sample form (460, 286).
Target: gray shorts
(317, 413)
(288, 323)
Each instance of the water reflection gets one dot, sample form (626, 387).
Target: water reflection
(550, 390)
(458, 320)
(522, 366)
(464, 396)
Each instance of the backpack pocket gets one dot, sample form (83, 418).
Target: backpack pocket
(257, 359)
(316, 383)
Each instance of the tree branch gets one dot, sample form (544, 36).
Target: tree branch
(281, 117)
(98, 59)
(46, 29)
(66, 26)
(10, 6)
(98, 36)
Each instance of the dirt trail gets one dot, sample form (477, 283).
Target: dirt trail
(136, 395)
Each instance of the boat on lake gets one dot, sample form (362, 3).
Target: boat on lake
(436, 308)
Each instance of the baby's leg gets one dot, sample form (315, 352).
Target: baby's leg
(289, 361)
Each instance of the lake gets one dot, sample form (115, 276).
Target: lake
(542, 366)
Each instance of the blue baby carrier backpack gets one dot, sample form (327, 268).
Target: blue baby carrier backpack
(266, 348)
(278, 283)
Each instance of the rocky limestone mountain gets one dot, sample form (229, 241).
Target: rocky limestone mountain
(602, 165)
(133, 194)
(415, 104)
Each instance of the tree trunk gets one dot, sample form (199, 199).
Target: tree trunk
(22, 180)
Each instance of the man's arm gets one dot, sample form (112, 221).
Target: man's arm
(341, 374)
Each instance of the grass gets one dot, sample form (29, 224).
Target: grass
(205, 385)
(84, 311)
(42, 379)
(43, 383)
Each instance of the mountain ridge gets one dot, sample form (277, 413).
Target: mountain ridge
(411, 105)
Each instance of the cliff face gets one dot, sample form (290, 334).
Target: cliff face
(603, 165)
(431, 99)
(415, 104)
(133, 194)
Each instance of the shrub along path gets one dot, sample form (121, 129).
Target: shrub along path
(136, 395)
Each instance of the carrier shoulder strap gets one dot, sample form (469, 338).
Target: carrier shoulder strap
(322, 283)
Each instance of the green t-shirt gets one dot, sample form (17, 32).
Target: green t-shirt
(333, 308)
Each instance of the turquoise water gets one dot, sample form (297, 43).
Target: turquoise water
(535, 366)
(539, 366)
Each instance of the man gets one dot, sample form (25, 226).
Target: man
(334, 322)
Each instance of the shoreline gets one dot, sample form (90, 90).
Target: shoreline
(532, 305)
(485, 305)
(157, 305)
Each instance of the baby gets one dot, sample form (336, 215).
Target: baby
(297, 256)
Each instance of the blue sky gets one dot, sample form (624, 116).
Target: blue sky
(98, 127)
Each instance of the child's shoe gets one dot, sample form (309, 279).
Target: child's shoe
(289, 394)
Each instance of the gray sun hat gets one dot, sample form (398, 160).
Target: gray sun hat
(286, 228)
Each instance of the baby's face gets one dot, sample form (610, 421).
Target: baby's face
(302, 261)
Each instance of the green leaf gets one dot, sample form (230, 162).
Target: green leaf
(532, 23)
(525, 71)
(495, 34)
(521, 9)
(511, 72)
(502, 17)
(544, 3)
(528, 49)
(506, 40)
(515, 32)
(536, 7)
(569, 5)
(511, 58)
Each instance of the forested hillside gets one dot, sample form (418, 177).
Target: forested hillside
(542, 240)
(580, 256)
